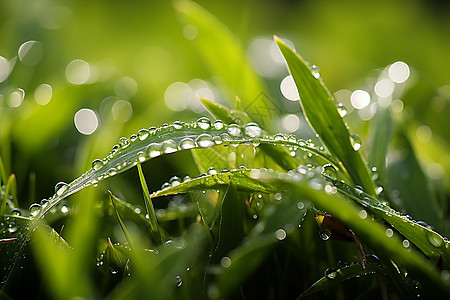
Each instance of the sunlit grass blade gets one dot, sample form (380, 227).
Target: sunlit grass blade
(10, 185)
(122, 225)
(320, 110)
(3, 176)
(154, 227)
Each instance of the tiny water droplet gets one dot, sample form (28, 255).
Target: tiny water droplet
(97, 164)
(133, 137)
(35, 208)
(178, 125)
(174, 181)
(186, 178)
(205, 140)
(143, 134)
(141, 157)
(203, 123)
(179, 281)
(324, 234)
(252, 130)
(300, 205)
(278, 196)
(153, 150)
(212, 171)
(234, 130)
(330, 273)
(218, 124)
(169, 146)
(225, 170)
(329, 170)
(356, 141)
(342, 110)
(60, 188)
(187, 143)
(124, 142)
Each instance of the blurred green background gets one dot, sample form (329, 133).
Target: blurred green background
(135, 64)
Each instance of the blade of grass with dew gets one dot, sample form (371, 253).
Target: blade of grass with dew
(368, 231)
(154, 227)
(122, 225)
(406, 176)
(321, 112)
(226, 58)
(430, 242)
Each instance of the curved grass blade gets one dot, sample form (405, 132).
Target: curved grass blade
(122, 225)
(431, 243)
(320, 111)
(369, 231)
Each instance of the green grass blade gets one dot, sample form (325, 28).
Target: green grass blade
(10, 184)
(320, 111)
(154, 227)
(122, 225)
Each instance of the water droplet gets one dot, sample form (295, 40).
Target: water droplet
(234, 130)
(218, 124)
(179, 281)
(114, 268)
(44, 202)
(389, 232)
(300, 205)
(143, 134)
(315, 71)
(169, 146)
(342, 110)
(15, 212)
(225, 262)
(124, 142)
(186, 178)
(278, 196)
(174, 181)
(60, 188)
(252, 130)
(35, 208)
(405, 243)
(141, 157)
(165, 185)
(324, 234)
(178, 125)
(434, 239)
(278, 137)
(133, 137)
(356, 141)
(187, 143)
(330, 273)
(97, 164)
(153, 150)
(280, 234)
(225, 170)
(205, 140)
(329, 170)
(362, 214)
(203, 123)
(212, 171)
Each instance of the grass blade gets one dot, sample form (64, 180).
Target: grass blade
(122, 225)
(320, 111)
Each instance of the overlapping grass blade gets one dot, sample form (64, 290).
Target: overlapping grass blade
(320, 110)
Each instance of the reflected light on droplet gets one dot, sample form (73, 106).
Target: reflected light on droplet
(43, 94)
(4, 69)
(360, 99)
(389, 232)
(86, 121)
(291, 123)
(15, 99)
(176, 94)
(399, 72)
(289, 89)
(190, 32)
(122, 111)
(280, 234)
(30, 53)
(424, 134)
(384, 88)
(126, 87)
(78, 71)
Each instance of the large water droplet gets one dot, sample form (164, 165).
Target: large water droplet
(153, 150)
(187, 143)
(178, 125)
(356, 141)
(205, 140)
(174, 181)
(324, 234)
(169, 146)
(203, 123)
(35, 208)
(124, 142)
(252, 130)
(97, 164)
(141, 157)
(329, 170)
(434, 239)
(218, 124)
(234, 130)
(143, 134)
(212, 171)
(15, 212)
(60, 188)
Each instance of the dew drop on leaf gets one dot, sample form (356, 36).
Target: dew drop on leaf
(356, 141)
(178, 125)
(141, 157)
(324, 234)
(169, 146)
(434, 239)
(143, 134)
(153, 150)
(218, 124)
(329, 170)
(330, 273)
(34, 209)
(234, 130)
(15, 212)
(187, 143)
(60, 188)
(342, 110)
(124, 142)
(203, 123)
(205, 140)
(97, 164)
(212, 171)
(252, 130)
